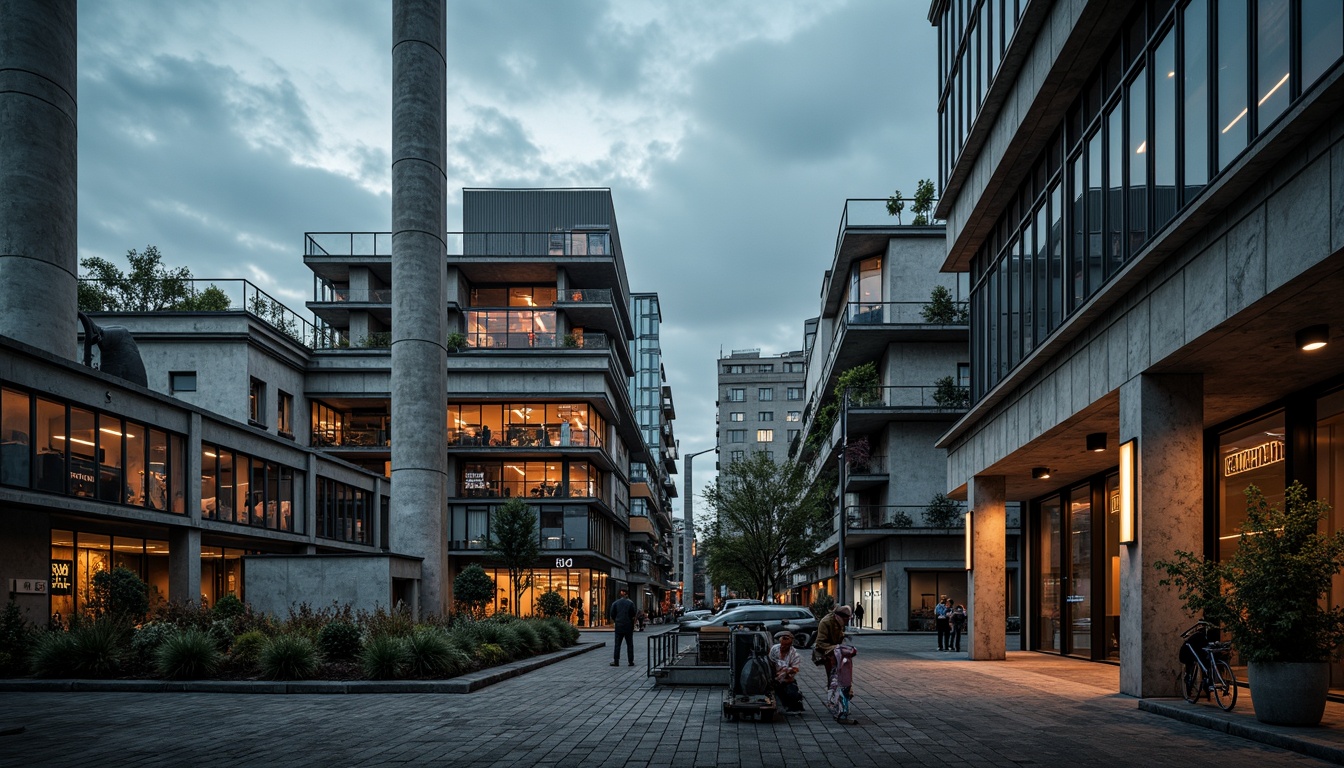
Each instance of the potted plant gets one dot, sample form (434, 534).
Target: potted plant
(1268, 594)
(569, 341)
(455, 341)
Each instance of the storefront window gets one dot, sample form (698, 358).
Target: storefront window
(1047, 620)
(1079, 598)
(1113, 567)
(1250, 455)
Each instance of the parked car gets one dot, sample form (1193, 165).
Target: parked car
(699, 614)
(771, 618)
(737, 602)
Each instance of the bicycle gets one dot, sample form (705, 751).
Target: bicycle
(1206, 669)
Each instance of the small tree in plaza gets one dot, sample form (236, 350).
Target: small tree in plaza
(472, 590)
(552, 604)
(513, 543)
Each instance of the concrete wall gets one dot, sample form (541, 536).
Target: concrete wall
(25, 553)
(275, 583)
(917, 468)
(911, 269)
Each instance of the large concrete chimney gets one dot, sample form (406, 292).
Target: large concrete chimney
(419, 294)
(39, 259)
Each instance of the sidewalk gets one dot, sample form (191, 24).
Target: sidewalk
(915, 706)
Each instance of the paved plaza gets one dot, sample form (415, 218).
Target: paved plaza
(916, 706)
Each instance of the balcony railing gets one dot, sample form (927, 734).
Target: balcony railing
(532, 489)
(911, 517)
(922, 397)
(525, 436)
(904, 313)
(231, 295)
(584, 296)
(331, 293)
(873, 465)
(538, 244)
(534, 340)
(352, 437)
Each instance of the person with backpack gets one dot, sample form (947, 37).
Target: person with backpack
(958, 619)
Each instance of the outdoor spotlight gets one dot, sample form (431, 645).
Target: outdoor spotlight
(1040, 473)
(1096, 442)
(1313, 337)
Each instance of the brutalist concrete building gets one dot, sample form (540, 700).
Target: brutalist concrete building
(1147, 199)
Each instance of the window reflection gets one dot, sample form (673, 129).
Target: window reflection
(1233, 127)
(1271, 49)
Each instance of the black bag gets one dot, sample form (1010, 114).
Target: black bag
(818, 657)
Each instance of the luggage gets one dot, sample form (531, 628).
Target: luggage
(750, 693)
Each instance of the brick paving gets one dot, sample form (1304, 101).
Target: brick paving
(915, 706)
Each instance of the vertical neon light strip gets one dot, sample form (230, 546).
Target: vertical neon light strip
(1128, 493)
(970, 536)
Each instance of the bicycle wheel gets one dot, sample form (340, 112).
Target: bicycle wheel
(1189, 683)
(1224, 685)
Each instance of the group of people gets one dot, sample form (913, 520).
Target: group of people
(950, 621)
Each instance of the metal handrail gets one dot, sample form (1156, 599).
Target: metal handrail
(901, 313)
(242, 295)
(579, 242)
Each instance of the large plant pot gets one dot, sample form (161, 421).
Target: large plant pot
(1289, 693)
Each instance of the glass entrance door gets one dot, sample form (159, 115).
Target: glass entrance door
(1051, 575)
(1078, 595)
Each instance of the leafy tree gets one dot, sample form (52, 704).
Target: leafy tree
(513, 542)
(948, 394)
(148, 286)
(923, 202)
(943, 512)
(119, 594)
(768, 520)
(942, 310)
(472, 589)
(822, 604)
(896, 204)
(862, 383)
(552, 603)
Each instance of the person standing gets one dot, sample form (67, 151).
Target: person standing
(830, 633)
(858, 615)
(622, 616)
(942, 623)
(786, 663)
(958, 619)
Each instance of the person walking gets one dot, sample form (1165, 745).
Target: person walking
(942, 623)
(958, 619)
(786, 663)
(622, 616)
(858, 615)
(830, 633)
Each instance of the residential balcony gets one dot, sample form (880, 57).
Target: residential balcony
(866, 473)
(595, 308)
(334, 304)
(865, 330)
(866, 523)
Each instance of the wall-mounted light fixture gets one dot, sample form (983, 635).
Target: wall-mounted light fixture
(1129, 492)
(1096, 442)
(1040, 473)
(1313, 337)
(970, 538)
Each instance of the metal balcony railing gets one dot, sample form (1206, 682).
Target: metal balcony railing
(332, 293)
(925, 397)
(525, 436)
(873, 465)
(510, 244)
(584, 296)
(905, 313)
(227, 295)
(589, 340)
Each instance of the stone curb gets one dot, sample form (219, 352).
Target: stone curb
(464, 684)
(1293, 739)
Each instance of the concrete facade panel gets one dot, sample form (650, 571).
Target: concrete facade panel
(1168, 326)
(1297, 224)
(1205, 291)
(1136, 326)
(1245, 248)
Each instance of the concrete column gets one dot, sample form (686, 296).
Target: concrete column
(38, 244)
(184, 565)
(419, 294)
(1166, 414)
(987, 583)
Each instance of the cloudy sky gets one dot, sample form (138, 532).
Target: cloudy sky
(730, 134)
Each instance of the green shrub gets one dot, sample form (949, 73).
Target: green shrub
(308, 621)
(553, 603)
(221, 631)
(339, 641)
(228, 607)
(289, 657)
(503, 635)
(246, 648)
(384, 658)
(16, 638)
(93, 649)
(568, 633)
(432, 654)
(472, 589)
(822, 604)
(394, 623)
(147, 639)
(183, 615)
(489, 654)
(188, 654)
(119, 594)
(527, 632)
(549, 636)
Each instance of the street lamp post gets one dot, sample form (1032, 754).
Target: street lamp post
(688, 561)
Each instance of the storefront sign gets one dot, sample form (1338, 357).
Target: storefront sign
(474, 481)
(60, 576)
(28, 586)
(1253, 458)
(564, 562)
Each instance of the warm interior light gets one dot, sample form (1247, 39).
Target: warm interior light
(1128, 493)
(1143, 146)
(1096, 442)
(970, 538)
(81, 441)
(1235, 120)
(1313, 337)
(1040, 473)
